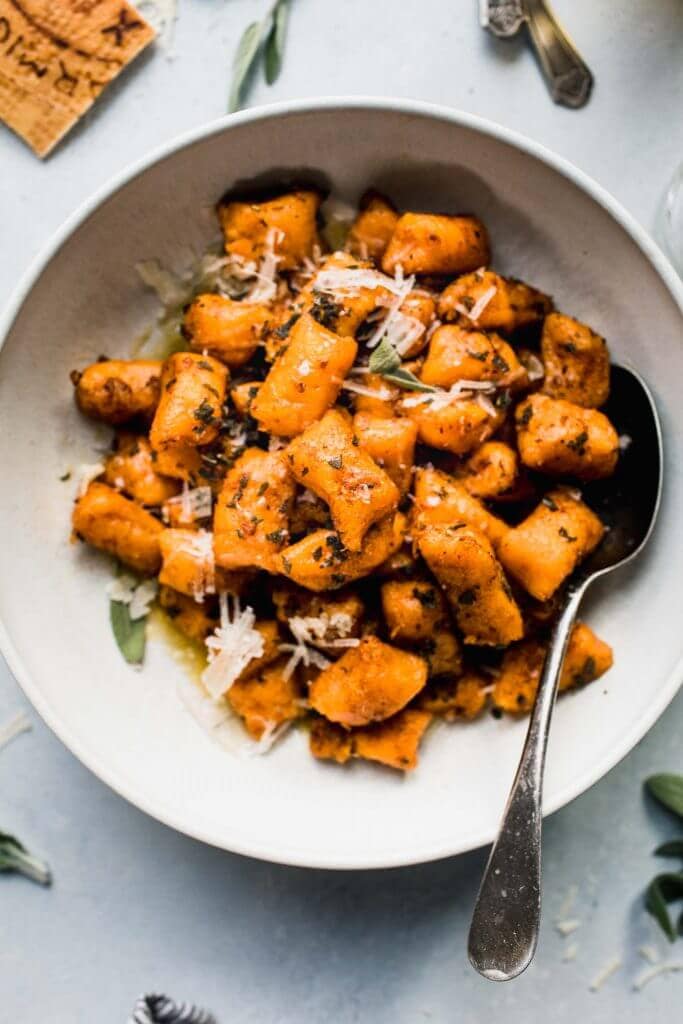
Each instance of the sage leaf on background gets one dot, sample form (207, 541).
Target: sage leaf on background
(662, 890)
(275, 43)
(130, 634)
(674, 848)
(667, 788)
(245, 55)
(15, 857)
(386, 362)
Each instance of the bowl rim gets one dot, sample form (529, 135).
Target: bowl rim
(295, 856)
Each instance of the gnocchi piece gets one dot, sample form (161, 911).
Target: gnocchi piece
(394, 742)
(372, 229)
(369, 683)
(424, 243)
(305, 380)
(390, 441)
(229, 330)
(442, 500)
(188, 616)
(485, 301)
(285, 226)
(418, 310)
(587, 659)
(544, 549)
(329, 742)
(321, 562)
(193, 389)
(441, 651)
(267, 700)
(458, 427)
(327, 458)
(491, 470)
(132, 469)
(563, 439)
(343, 309)
(243, 395)
(187, 562)
(118, 390)
(463, 561)
(460, 698)
(457, 354)
(413, 609)
(251, 520)
(576, 362)
(180, 462)
(104, 518)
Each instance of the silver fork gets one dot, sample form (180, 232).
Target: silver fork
(568, 76)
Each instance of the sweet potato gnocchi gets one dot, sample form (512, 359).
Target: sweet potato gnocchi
(359, 481)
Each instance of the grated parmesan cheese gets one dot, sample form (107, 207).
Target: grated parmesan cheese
(381, 394)
(138, 595)
(648, 975)
(570, 952)
(194, 503)
(86, 473)
(386, 326)
(231, 647)
(461, 389)
(352, 280)
(603, 975)
(14, 727)
(625, 440)
(649, 953)
(479, 306)
(567, 926)
(535, 369)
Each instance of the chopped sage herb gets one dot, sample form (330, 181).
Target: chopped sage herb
(15, 857)
(386, 362)
(261, 39)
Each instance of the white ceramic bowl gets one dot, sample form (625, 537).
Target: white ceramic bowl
(550, 225)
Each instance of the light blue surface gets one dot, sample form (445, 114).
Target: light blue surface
(135, 907)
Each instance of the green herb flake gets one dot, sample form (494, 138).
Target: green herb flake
(130, 634)
(15, 857)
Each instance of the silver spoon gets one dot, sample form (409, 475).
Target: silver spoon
(506, 919)
(568, 76)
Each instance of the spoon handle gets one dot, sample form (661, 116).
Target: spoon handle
(569, 78)
(506, 918)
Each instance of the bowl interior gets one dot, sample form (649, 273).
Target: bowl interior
(130, 727)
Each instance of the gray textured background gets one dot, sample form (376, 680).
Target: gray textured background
(135, 907)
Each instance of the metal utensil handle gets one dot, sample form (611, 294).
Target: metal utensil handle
(506, 918)
(569, 78)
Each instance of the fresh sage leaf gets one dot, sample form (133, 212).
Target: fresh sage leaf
(15, 857)
(275, 43)
(245, 55)
(674, 848)
(384, 359)
(662, 890)
(667, 788)
(408, 381)
(386, 362)
(130, 634)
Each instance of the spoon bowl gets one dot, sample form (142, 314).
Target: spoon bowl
(505, 924)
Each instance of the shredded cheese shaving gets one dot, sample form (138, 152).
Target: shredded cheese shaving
(603, 975)
(231, 647)
(462, 389)
(194, 503)
(651, 973)
(570, 952)
(479, 306)
(568, 926)
(137, 595)
(16, 725)
(387, 325)
(86, 473)
(381, 394)
(353, 280)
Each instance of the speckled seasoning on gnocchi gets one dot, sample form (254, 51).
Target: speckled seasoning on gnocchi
(354, 475)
